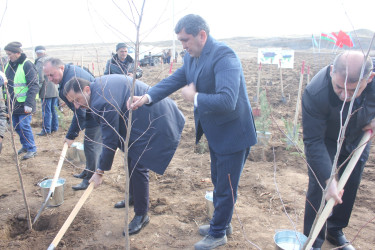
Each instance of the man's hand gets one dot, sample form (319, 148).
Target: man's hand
(188, 92)
(68, 141)
(28, 109)
(369, 126)
(332, 192)
(138, 101)
(97, 179)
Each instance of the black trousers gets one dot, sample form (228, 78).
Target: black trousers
(92, 149)
(340, 216)
(139, 186)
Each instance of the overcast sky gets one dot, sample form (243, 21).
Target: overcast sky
(52, 22)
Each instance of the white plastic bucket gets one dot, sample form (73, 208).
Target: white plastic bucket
(289, 240)
(209, 203)
(57, 197)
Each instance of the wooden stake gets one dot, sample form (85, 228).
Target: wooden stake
(298, 99)
(281, 81)
(258, 85)
(71, 217)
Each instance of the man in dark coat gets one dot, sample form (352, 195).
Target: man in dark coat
(23, 87)
(60, 73)
(122, 63)
(154, 136)
(212, 79)
(329, 92)
(48, 95)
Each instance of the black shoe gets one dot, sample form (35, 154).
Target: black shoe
(137, 223)
(22, 150)
(121, 204)
(82, 186)
(338, 239)
(29, 155)
(82, 175)
(43, 133)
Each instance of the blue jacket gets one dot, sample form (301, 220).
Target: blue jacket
(224, 112)
(80, 120)
(156, 129)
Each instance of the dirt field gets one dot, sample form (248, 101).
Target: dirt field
(177, 203)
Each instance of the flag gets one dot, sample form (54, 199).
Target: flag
(328, 37)
(314, 41)
(351, 38)
(343, 39)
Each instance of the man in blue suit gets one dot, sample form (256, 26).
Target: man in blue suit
(212, 78)
(154, 137)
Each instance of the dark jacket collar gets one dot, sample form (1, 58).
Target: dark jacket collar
(20, 60)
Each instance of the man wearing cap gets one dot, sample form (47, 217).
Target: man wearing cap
(48, 94)
(121, 63)
(23, 88)
(3, 117)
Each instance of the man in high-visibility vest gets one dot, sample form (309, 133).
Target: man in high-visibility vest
(23, 87)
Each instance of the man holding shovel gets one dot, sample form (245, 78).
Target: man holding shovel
(154, 136)
(60, 73)
(329, 92)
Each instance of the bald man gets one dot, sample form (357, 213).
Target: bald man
(330, 91)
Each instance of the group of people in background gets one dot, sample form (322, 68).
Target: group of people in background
(211, 79)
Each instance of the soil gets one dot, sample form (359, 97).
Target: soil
(271, 191)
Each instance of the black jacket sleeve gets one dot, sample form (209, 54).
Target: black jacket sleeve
(32, 81)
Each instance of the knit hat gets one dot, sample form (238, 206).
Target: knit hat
(14, 47)
(40, 49)
(120, 46)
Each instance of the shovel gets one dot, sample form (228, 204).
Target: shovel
(71, 217)
(344, 178)
(54, 181)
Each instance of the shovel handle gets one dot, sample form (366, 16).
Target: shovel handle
(54, 181)
(71, 217)
(344, 178)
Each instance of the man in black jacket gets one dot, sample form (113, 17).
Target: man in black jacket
(23, 87)
(60, 73)
(122, 63)
(329, 92)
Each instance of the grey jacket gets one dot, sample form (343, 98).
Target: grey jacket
(3, 119)
(47, 89)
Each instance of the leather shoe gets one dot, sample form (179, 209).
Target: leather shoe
(137, 223)
(203, 230)
(338, 239)
(121, 204)
(81, 175)
(82, 186)
(29, 155)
